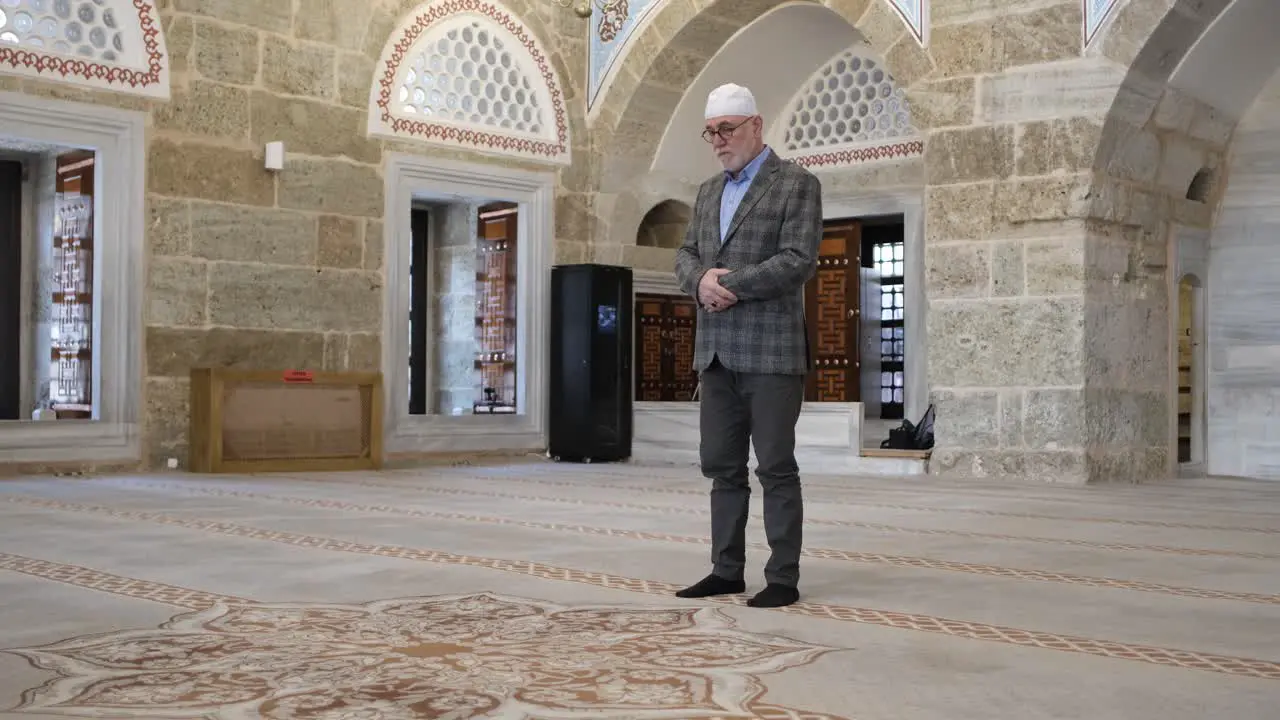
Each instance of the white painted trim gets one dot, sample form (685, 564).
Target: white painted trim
(909, 204)
(408, 176)
(118, 136)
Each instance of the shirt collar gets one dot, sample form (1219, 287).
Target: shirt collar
(749, 172)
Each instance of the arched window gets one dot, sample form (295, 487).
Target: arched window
(473, 78)
(849, 111)
(113, 44)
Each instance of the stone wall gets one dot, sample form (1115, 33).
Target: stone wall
(250, 268)
(453, 256)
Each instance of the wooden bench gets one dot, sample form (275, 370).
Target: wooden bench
(891, 453)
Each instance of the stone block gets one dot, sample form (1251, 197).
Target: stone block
(308, 127)
(573, 216)
(172, 352)
(273, 16)
(958, 270)
(1011, 418)
(908, 60)
(880, 25)
(1055, 266)
(335, 351)
(208, 173)
(166, 418)
(334, 22)
(168, 226)
(333, 186)
(1001, 342)
(364, 352)
(952, 12)
(1047, 92)
(1052, 146)
(1039, 36)
(1175, 111)
(247, 234)
(573, 251)
(959, 212)
(341, 242)
(1042, 199)
(374, 241)
(1067, 466)
(277, 297)
(1180, 162)
(177, 292)
(967, 418)
(205, 108)
(964, 49)
(1054, 419)
(968, 155)
(1008, 271)
(1212, 126)
(382, 23)
(944, 103)
(227, 54)
(179, 39)
(675, 68)
(355, 78)
(297, 69)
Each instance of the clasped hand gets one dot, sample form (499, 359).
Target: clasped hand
(712, 295)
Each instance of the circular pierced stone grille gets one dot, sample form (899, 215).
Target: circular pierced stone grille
(87, 28)
(850, 100)
(468, 75)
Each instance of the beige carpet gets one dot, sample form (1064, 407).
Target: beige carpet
(545, 591)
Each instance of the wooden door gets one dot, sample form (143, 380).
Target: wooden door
(10, 290)
(665, 330)
(832, 315)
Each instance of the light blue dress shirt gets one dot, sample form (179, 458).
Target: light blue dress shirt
(735, 188)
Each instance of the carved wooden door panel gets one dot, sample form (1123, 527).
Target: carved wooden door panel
(649, 348)
(832, 315)
(682, 325)
(665, 328)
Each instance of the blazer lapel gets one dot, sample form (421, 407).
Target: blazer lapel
(713, 223)
(759, 186)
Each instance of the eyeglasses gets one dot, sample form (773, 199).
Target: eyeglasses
(724, 131)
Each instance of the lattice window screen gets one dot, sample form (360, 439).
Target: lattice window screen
(467, 75)
(88, 28)
(851, 100)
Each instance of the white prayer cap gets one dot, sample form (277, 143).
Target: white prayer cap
(730, 99)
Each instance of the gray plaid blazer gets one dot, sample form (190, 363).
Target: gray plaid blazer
(771, 250)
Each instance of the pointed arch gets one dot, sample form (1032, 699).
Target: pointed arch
(468, 74)
(104, 44)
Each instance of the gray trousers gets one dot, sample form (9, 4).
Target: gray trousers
(738, 410)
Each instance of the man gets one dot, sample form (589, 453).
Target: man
(750, 248)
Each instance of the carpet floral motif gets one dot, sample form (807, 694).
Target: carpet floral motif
(448, 657)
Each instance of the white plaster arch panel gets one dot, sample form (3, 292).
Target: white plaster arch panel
(849, 111)
(1231, 62)
(103, 44)
(468, 74)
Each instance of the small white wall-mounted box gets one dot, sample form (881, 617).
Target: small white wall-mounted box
(275, 156)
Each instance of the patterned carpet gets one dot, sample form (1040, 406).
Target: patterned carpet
(545, 591)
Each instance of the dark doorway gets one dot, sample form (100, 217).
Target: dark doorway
(419, 306)
(10, 290)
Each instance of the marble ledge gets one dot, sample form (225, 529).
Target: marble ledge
(828, 439)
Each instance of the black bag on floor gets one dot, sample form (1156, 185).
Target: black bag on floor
(908, 436)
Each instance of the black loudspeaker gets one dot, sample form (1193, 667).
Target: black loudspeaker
(591, 337)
